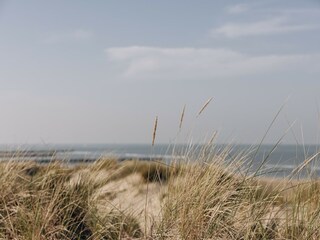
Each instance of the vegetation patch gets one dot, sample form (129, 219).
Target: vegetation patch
(203, 199)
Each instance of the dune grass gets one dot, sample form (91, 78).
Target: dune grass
(214, 201)
(204, 199)
(150, 171)
(41, 202)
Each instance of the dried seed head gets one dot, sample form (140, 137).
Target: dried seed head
(182, 116)
(204, 106)
(154, 130)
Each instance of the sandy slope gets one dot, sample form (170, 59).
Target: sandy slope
(130, 194)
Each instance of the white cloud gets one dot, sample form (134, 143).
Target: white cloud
(76, 35)
(138, 62)
(277, 25)
(238, 8)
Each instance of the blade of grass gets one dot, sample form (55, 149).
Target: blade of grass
(264, 136)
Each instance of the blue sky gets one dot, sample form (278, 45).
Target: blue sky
(100, 71)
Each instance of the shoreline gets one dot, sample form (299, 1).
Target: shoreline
(74, 157)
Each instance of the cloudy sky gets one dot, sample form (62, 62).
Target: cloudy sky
(100, 71)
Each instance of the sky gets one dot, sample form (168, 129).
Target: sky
(101, 71)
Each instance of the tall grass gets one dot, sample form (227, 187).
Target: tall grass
(213, 201)
(41, 202)
(203, 198)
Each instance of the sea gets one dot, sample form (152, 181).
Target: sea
(264, 160)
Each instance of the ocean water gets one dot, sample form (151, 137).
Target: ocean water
(270, 160)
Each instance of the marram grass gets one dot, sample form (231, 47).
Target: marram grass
(203, 199)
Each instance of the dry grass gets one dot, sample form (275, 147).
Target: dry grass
(211, 201)
(41, 202)
(203, 199)
(154, 130)
(151, 171)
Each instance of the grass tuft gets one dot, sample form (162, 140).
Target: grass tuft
(206, 197)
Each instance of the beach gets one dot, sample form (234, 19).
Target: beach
(203, 198)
